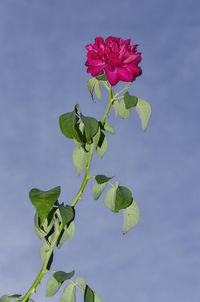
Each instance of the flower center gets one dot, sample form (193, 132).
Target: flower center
(112, 57)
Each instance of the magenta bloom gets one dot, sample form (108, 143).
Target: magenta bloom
(116, 57)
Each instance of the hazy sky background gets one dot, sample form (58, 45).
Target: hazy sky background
(42, 75)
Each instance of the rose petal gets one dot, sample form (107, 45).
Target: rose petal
(92, 55)
(123, 74)
(89, 47)
(132, 57)
(111, 75)
(95, 70)
(133, 69)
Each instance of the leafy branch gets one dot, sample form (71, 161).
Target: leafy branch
(54, 221)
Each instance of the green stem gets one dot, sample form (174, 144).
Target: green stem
(111, 184)
(111, 99)
(75, 284)
(119, 97)
(106, 85)
(43, 270)
(86, 178)
(125, 88)
(58, 230)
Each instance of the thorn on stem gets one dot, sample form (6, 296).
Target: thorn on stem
(34, 290)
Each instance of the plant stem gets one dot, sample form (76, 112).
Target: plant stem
(106, 85)
(125, 88)
(43, 270)
(58, 229)
(87, 177)
(111, 184)
(111, 99)
(75, 284)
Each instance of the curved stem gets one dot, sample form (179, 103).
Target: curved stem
(111, 99)
(125, 88)
(86, 178)
(58, 229)
(43, 270)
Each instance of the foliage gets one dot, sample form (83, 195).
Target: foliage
(54, 221)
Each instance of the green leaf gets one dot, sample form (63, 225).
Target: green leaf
(69, 126)
(97, 136)
(61, 276)
(117, 184)
(102, 145)
(6, 298)
(69, 294)
(131, 217)
(80, 157)
(129, 100)
(81, 127)
(123, 112)
(87, 147)
(108, 128)
(116, 107)
(67, 232)
(143, 109)
(71, 230)
(66, 214)
(88, 295)
(44, 251)
(110, 198)
(100, 179)
(102, 78)
(81, 283)
(123, 198)
(97, 89)
(97, 190)
(39, 231)
(43, 201)
(49, 221)
(94, 86)
(118, 198)
(91, 84)
(55, 282)
(52, 287)
(91, 127)
(97, 298)
(47, 225)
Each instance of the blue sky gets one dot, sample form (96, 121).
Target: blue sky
(42, 75)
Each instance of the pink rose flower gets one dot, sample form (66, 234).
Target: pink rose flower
(114, 56)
